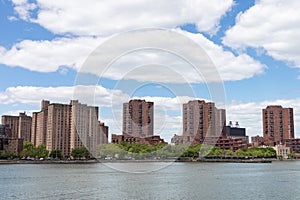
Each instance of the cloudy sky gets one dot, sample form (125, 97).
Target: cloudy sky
(56, 50)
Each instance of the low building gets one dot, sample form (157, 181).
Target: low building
(282, 151)
(294, 144)
(151, 140)
(236, 132)
(227, 143)
(257, 141)
(177, 139)
(224, 143)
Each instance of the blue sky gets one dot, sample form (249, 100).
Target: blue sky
(253, 44)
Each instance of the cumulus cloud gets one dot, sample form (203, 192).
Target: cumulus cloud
(271, 25)
(231, 67)
(92, 95)
(49, 56)
(93, 17)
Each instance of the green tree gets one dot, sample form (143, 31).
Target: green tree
(56, 153)
(41, 151)
(228, 153)
(80, 152)
(28, 150)
(239, 152)
(292, 155)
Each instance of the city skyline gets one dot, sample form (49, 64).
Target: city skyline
(255, 53)
(138, 121)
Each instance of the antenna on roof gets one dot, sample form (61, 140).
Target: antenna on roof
(237, 124)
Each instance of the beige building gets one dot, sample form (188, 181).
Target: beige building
(278, 124)
(58, 128)
(282, 151)
(86, 128)
(20, 125)
(138, 118)
(39, 125)
(67, 126)
(200, 120)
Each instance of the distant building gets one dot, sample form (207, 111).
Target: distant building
(39, 125)
(294, 144)
(227, 143)
(86, 128)
(278, 124)
(9, 144)
(67, 126)
(257, 141)
(58, 128)
(138, 118)
(236, 132)
(282, 150)
(20, 125)
(200, 120)
(151, 140)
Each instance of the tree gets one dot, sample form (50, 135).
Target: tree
(80, 152)
(228, 153)
(41, 151)
(239, 152)
(28, 150)
(56, 153)
(292, 155)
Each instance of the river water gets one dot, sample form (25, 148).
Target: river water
(276, 181)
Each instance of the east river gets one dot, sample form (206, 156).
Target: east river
(151, 180)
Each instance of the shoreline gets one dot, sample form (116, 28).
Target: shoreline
(3, 162)
(199, 160)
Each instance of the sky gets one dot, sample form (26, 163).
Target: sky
(252, 47)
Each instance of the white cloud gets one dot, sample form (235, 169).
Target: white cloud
(92, 95)
(272, 25)
(23, 8)
(49, 56)
(93, 17)
(230, 66)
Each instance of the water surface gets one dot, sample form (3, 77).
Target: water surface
(278, 180)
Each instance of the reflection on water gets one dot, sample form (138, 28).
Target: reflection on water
(279, 180)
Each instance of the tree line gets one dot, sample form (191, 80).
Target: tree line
(31, 152)
(165, 151)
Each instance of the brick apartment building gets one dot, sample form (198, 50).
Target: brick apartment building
(67, 126)
(200, 120)
(20, 126)
(278, 124)
(138, 118)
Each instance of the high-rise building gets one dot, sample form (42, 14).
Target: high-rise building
(20, 125)
(200, 120)
(58, 128)
(9, 144)
(278, 124)
(138, 118)
(13, 123)
(39, 125)
(85, 127)
(67, 126)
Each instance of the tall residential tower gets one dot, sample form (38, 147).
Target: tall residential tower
(278, 124)
(138, 118)
(20, 125)
(67, 126)
(200, 120)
